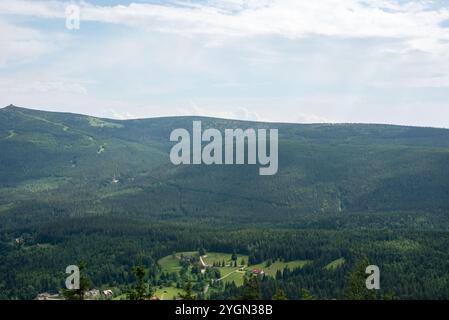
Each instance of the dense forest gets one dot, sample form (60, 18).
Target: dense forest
(76, 188)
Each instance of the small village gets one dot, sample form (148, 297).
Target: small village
(184, 259)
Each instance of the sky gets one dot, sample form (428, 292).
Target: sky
(302, 61)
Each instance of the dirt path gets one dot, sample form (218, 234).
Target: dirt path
(203, 264)
(227, 275)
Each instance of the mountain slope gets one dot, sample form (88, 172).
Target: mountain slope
(59, 159)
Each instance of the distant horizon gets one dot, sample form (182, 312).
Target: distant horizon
(228, 119)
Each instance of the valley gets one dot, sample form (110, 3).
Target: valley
(208, 273)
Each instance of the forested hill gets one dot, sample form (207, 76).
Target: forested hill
(77, 188)
(80, 165)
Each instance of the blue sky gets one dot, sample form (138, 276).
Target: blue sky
(377, 61)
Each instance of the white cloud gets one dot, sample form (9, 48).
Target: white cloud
(43, 84)
(114, 114)
(20, 45)
(240, 113)
(312, 118)
(44, 9)
(290, 18)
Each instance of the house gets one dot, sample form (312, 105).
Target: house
(257, 272)
(48, 296)
(108, 293)
(93, 294)
(186, 259)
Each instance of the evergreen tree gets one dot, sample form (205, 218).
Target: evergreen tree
(268, 263)
(356, 289)
(251, 288)
(141, 291)
(234, 256)
(78, 294)
(306, 295)
(278, 275)
(188, 293)
(280, 294)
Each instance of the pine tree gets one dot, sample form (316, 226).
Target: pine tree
(306, 295)
(188, 294)
(278, 275)
(356, 289)
(280, 294)
(251, 288)
(141, 291)
(78, 294)
(234, 256)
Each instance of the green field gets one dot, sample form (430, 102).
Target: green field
(95, 122)
(280, 265)
(228, 273)
(215, 257)
(167, 293)
(232, 275)
(171, 263)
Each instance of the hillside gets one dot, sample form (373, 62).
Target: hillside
(323, 169)
(103, 190)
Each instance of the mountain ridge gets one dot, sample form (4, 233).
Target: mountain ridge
(17, 108)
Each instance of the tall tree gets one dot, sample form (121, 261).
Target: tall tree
(188, 293)
(280, 294)
(307, 295)
(356, 289)
(251, 288)
(142, 290)
(234, 256)
(78, 294)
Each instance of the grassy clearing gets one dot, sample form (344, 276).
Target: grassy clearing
(41, 185)
(280, 265)
(230, 275)
(171, 263)
(217, 257)
(167, 293)
(95, 122)
(335, 264)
